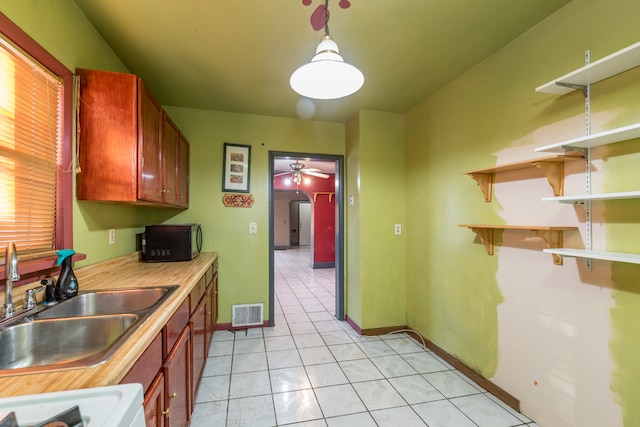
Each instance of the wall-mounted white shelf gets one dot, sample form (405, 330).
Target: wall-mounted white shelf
(601, 69)
(585, 197)
(595, 140)
(552, 235)
(602, 255)
(581, 79)
(551, 166)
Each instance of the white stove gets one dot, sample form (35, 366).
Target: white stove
(111, 406)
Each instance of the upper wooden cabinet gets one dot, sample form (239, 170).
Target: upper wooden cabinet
(129, 150)
(183, 176)
(170, 145)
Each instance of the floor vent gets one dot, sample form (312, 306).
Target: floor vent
(247, 315)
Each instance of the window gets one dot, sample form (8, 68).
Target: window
(35, 150)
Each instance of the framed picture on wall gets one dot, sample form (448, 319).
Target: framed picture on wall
(236, 168)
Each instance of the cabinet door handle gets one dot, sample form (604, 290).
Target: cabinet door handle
(173, 395)
(166, 412)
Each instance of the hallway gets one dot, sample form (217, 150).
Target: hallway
(313, 371)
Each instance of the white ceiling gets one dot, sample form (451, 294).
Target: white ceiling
(237, 55)
(283, 164)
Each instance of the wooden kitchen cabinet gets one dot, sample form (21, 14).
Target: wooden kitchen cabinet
(198, 324)
(202, 324)
(177, 373)
(171, 368)
(154, 403)
(170, 143)
(168, 357)
(128, 147)
(208, 298)
(183, 172)
(212, 311)
(149, 148)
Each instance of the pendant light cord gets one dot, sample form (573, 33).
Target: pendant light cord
(326, 17)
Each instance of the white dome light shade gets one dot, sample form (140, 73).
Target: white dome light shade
(327, 76)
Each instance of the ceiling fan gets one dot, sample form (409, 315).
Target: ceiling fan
(297, 172)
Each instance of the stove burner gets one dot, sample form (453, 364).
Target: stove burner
(69, 418)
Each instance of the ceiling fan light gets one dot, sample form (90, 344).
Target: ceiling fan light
(327, 76)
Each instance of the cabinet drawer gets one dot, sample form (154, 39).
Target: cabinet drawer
(208, 275)
(175, 326)
(147, 366)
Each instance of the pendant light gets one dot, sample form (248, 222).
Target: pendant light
(327, 76)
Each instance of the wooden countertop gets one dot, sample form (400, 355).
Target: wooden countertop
(122, 272)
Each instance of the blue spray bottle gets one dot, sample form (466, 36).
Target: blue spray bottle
(67, 284)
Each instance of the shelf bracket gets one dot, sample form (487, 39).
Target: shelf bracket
(554, 172)
(582, 88)
(485, 182)
(326, 193)
(486, 237)
(553, 239)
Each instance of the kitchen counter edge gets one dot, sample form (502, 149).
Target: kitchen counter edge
(123, 272)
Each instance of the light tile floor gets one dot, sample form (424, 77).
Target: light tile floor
(314, 371)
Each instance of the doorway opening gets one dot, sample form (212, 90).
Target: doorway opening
(310, 186)
(300, 224)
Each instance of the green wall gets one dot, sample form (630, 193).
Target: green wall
(353, 290)
(562, 339)
(375, 255)
(244, 257)
(64, 31)
(60, 27)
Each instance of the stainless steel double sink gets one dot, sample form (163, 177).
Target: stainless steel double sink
(80, 332)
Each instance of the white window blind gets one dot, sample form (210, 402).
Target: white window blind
(30, 139)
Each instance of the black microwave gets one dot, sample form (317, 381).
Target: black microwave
(171, 242)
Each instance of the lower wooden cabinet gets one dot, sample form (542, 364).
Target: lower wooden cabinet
(177, 373)
(171, 368)
(164, 370)
(211, 298)
(154, 403)
(198, 345)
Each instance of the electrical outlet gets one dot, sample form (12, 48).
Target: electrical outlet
(112, 236)
(253, 228)
(398, 229)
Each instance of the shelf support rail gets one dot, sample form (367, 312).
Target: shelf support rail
(586, 91)
(587, 157)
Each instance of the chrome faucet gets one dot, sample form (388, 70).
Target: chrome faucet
(11, 270)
